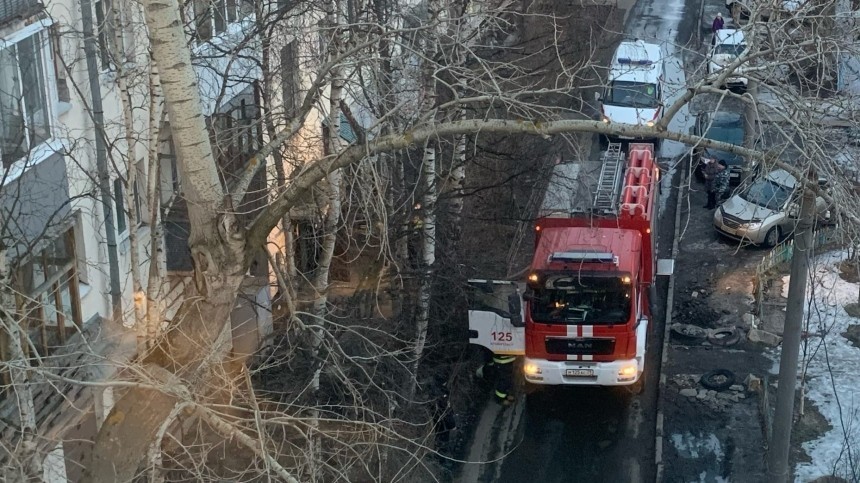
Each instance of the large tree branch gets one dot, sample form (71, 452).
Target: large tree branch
(315, 172)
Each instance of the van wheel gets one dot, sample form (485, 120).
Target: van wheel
(772, 237)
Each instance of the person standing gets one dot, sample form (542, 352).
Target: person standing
(500, 370)
(721, 183)
(716, 180)
(718, 22)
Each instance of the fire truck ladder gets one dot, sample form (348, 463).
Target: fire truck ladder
(608, 186)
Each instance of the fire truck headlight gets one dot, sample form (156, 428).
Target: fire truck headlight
(650, 123)
(627, 372)
(604, 119)
(531, 369)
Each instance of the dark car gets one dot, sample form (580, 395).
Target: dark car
(724, 126)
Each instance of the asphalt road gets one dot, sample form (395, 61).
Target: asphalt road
(607, 434)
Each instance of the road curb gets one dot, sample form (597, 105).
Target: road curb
(670, 300)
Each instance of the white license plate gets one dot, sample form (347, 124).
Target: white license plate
(579, 372)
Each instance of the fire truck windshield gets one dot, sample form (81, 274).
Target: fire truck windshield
(581, 299)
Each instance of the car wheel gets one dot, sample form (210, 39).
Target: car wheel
(772, 237)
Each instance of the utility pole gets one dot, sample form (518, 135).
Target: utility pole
(780, 442)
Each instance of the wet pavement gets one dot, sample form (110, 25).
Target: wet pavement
(608, 434)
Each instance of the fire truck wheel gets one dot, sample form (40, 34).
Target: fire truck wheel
(718, 379)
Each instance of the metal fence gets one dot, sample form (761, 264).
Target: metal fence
(782, 253)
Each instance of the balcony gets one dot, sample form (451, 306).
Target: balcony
(11, 10)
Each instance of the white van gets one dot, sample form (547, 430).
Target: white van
(726, 46)
(634, 94)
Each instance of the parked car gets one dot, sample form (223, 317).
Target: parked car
(741, 10)
(724, 126)
(726, 46)
(764, 211)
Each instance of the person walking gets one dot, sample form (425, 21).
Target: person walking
(718, 22)
(716, 180)
(500, 370)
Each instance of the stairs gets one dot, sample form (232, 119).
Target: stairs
(609, 183)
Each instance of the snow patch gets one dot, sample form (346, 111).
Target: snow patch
(690, 446)
(832, 375)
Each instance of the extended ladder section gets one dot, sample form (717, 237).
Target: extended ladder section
(609, 183)
(637, 195)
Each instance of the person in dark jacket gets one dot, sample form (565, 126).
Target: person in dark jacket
(716, 175)
(718, 22)
(500, 370)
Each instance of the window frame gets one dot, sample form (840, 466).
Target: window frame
(34, 152)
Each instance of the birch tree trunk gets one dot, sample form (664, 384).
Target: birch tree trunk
(218, 253)
(428, 221)
(131, 172)
(158, 263)
(19, 368)
(329, 238)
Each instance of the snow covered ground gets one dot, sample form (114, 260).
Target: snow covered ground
(833, 372)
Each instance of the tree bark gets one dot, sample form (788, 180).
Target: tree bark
(428, 216)
(19, 369)
(199, 338)
(329, 238)
(131, 174)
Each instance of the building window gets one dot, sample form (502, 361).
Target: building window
(168, 168)
(119, 202)
(105, 31)
(211, 17)
(25, 97)
(63, 94)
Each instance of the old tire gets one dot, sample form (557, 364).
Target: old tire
(688, 333)
(725, 337)
(772, 237)
(718, 379)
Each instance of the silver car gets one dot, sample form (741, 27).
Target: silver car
(764, 211)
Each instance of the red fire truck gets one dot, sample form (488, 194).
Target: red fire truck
(582, 316)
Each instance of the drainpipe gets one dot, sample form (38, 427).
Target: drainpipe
(91, 53)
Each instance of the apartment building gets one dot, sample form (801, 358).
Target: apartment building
(71, 253)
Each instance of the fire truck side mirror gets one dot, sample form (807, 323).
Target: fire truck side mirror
(665, 266)
(515, 309)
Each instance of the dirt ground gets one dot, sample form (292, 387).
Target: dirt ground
(712, 434)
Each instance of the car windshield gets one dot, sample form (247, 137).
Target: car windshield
(734, 50)
(581, 299)
(766, 193)
(726, 132)
(632, 94)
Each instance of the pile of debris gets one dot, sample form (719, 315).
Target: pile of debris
(716, 389)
